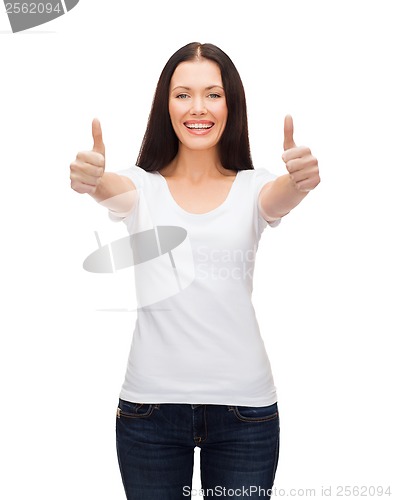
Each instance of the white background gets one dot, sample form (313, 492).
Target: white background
(323, 278)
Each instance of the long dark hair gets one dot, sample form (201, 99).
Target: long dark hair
(160, 143)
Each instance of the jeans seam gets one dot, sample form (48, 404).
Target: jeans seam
(204, 418)
(276, 456)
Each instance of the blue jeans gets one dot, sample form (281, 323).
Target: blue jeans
(155, 447)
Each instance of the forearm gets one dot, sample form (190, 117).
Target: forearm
(115, 192)
(279, 197)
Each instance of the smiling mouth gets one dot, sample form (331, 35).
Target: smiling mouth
(199, 126)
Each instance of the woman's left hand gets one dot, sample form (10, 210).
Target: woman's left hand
(302, 166)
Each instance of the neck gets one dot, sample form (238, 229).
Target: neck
(196, 165)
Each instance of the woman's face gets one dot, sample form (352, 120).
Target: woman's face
(197, 104)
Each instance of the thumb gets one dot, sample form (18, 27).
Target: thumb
(288, 133)
(98, 146)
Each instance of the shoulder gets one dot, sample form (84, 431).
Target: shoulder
(261, 176)
(138, 175)
(254, 179)
(257, 176)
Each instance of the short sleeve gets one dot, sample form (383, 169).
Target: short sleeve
(137, 176)
(263, 176)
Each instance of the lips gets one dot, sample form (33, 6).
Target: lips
(199, 126)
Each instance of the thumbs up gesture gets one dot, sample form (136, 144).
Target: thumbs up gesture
(89, 166)
(301, 165)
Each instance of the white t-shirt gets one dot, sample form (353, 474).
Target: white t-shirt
(196, 338)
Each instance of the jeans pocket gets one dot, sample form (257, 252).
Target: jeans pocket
(256, 413)
(130, 409)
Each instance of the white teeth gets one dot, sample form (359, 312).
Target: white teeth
(198, 125)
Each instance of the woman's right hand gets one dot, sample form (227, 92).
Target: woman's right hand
(89, 166)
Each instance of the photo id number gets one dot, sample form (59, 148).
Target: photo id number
(33, 8)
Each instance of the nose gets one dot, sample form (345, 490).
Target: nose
(198, 107)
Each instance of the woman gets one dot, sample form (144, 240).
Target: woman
(198, 373)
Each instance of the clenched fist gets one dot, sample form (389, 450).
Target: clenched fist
(301, 165)
(89, 166)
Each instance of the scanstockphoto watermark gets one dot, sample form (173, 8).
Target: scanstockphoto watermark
(223, 264)
(245, 491)
(26, 15)
(321, 491)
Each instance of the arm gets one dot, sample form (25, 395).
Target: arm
(277, 198)
(116, 192)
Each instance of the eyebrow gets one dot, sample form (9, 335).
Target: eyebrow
(189, 88)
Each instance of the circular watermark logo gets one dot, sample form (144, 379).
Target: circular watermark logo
(26, 15)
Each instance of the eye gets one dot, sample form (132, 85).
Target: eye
(181, 96)
(214, 96)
